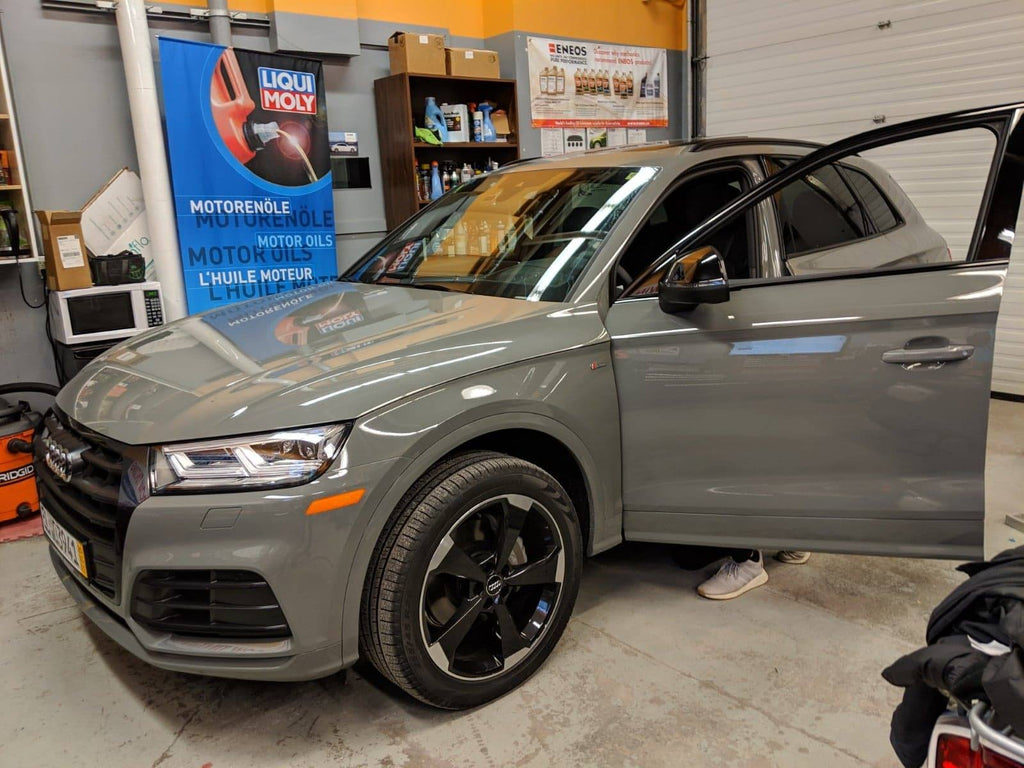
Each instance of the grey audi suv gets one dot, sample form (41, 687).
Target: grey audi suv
(739, 342)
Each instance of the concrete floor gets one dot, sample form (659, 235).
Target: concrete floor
(647, 674)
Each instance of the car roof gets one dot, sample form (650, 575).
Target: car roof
(673, 155)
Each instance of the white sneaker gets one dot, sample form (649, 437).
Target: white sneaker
(733, 579)
(792, 557)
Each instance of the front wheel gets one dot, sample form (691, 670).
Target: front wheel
(473, 580)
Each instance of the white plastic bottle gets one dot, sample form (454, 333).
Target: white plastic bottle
(484, 233)
(461, 238)
(501, 233)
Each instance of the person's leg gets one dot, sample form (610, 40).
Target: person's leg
(792, 556)
(741, 573)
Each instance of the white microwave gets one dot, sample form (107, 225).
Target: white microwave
(105, 312)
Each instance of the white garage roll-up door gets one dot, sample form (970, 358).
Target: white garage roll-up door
(825, 69)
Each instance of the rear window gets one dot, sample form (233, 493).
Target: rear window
(878, 208)
(818, 211)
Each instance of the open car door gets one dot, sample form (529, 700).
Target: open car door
(840, 405)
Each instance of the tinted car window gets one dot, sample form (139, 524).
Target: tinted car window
(878, 209)
(818, 211)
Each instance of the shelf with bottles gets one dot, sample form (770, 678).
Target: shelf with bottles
(14, 193)
(434, 179)
(479, 145)
(401, 102)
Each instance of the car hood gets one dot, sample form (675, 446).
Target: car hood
(327, 353)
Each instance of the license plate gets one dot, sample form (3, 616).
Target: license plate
(70, 548)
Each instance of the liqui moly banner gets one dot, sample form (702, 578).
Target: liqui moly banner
(250, 166)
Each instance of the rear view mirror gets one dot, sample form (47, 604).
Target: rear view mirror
(696, 278)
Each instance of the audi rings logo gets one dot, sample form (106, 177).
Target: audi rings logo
(60, 460)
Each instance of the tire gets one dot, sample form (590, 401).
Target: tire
(438, 617)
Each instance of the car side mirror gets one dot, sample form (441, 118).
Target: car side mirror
(695, 278)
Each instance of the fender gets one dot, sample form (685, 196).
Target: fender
(436, 423)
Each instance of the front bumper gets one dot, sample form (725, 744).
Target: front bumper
(304, 558)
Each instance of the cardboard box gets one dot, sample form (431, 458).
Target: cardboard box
(64, 253)
(472, 62)
(114, 219)
(417, 54)
(499, 119)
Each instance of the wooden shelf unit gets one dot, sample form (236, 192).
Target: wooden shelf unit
(401, 101)
(14, 190)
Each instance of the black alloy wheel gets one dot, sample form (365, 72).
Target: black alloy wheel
(491, 587)
(473, 580)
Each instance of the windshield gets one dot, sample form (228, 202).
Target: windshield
(524, 234)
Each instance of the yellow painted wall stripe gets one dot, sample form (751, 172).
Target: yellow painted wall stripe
(631, 22)
(336, 9)
(655, 24)
(247, 6)
(464, 18)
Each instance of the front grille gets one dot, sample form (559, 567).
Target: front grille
(214, 603)
(90, 505)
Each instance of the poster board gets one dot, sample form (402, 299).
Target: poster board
(250, 165)
(575, 84)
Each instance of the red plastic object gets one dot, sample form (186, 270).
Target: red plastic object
(955, 752)
(231, 105)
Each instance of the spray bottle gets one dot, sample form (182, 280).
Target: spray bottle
(434, 119)
(487, 129)
(436, 190)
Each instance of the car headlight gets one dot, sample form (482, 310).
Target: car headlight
(287, 457)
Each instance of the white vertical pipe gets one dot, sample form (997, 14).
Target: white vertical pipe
(220, 21)
(133, 29)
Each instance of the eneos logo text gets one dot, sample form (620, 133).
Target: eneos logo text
(284, 90)
(566, 49)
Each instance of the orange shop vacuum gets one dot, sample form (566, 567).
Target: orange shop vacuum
(18, 422)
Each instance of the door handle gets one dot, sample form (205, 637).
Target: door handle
(951, 353)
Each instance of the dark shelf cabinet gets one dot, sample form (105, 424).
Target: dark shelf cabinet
(401, 101)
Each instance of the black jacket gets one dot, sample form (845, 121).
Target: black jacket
(988, 606)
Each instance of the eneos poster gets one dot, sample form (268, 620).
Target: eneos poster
(250, 167)
(583, 84)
